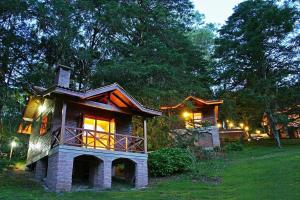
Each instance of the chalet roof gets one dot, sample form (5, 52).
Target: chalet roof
(192, 98)
(119, 93)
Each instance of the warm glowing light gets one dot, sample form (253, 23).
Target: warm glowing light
(249, 140)
(186, 114)
(257, 131)
(242, 125)
(219, 125)
(227, 120)
(246, 128)
(13, 144)
(230, 125)
(42, 108)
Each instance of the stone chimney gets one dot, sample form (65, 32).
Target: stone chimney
(63, 74)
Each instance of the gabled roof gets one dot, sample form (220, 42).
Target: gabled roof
(192, 98)
(118, 94)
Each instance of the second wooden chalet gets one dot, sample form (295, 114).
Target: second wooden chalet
(195, 113)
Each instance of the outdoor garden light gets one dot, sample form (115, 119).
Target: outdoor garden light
(42, 108)
(230, 125)
(219, 125)
(246, 128)
(257, 131)
(13, 144)
(242, 125)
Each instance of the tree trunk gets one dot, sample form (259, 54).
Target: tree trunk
(273, 128)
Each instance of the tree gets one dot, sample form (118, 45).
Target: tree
(152, 56)
(257, 56)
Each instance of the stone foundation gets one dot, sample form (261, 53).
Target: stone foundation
(60, 167)
(40, 169)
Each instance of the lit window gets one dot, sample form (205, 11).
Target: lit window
(43, 129)
(197, 119)
(192, 120)
(25, 128)
(99, 139)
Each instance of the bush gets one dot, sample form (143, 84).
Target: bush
(234, 146)
(169, 161)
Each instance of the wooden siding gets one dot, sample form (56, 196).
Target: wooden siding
(39, 145)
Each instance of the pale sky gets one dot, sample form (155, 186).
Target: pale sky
(216, 11)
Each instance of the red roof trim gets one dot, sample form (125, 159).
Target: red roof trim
(207, 102)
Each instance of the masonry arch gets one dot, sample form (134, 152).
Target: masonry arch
(87, 172)
(123, 172)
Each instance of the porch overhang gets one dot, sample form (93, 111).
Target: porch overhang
(119, 99)
(194, 99)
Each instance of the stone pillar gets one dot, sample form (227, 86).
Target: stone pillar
(106, 174)
(40, 169)
(141, 173)
(59, 175)
(102, 175)
(96, 175)
(215, 136)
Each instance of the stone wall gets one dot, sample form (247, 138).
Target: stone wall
(60, 167)
(204, 137)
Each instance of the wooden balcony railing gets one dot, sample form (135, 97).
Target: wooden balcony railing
(98, 140)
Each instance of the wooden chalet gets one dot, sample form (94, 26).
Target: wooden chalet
(289, 130)
(82, 137)
(194, 112)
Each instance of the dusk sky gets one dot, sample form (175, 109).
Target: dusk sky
(216, 11)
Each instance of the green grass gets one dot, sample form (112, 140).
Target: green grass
(261, 171)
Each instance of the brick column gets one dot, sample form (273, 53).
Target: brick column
(40, 169)
(141, 174)
(105, 174)
(60, 168)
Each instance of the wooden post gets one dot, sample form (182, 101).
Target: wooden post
(63, 122)
(216, 112)
(108, 142)
(145, 135)
(126, 143)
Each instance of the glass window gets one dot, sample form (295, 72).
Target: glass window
(197, 119)
(100, 139)
(43, 128)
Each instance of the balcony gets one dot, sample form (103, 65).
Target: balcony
(79, 137)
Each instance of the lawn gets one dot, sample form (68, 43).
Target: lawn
(260, 171)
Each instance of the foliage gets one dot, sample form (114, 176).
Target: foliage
(234, 146)
(170, 161)
(158, 130)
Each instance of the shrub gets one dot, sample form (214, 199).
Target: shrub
(234, 146)
(169, 161)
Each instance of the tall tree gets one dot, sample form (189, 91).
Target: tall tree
(257, 55)
(152, 56)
